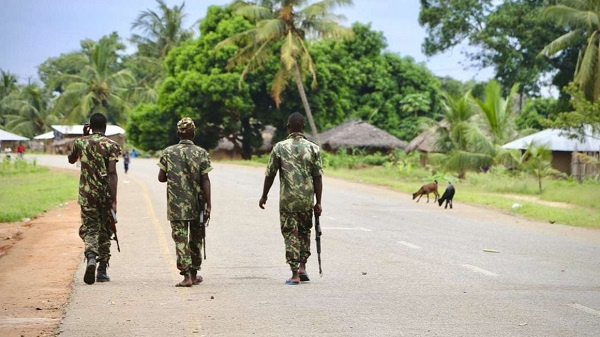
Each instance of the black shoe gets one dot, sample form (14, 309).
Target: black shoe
(102, 275)
(90, 270)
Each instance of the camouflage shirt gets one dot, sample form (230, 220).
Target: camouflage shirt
(95, 151)
(298, 161)
(184, 164)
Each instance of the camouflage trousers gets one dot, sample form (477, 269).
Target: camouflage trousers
(94, 232)
(187, 235)
(295, 228)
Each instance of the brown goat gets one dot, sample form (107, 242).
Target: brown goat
(426, 189)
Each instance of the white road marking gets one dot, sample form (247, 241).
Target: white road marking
(349, 228)
(409, 245)
(585, 309)
(479, 270)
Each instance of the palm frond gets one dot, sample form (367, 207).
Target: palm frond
(253, 12)
(588, 69)
(561, 43)
(572, 17)
(279, 84)
(289, 52)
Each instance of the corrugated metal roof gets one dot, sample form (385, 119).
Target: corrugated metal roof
(43, 136)
(10, 137)
(557, 140)
(78, 129)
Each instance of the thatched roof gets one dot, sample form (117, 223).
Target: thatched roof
(424, 142)
(359, 134)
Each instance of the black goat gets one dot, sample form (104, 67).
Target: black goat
(447, 196)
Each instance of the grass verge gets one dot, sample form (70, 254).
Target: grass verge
(28, 190)
(579, 201)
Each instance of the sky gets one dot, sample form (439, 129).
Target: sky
(31, 31)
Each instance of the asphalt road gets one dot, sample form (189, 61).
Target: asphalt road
(391, 268)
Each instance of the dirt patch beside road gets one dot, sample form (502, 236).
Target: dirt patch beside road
(37, 262)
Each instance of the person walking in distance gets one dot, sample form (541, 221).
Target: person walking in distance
(300, 168)
(97, 194)
(126, 159)
(184, 167)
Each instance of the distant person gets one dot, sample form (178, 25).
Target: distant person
(97, 194)
(184, 167)
(300, 168)
(21, 150)
(126, 161)
(7, 152)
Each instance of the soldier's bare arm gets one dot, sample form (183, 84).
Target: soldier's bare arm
(205, 185)
(113, 179)
(266, 188)
(318, 183)
(162, 176)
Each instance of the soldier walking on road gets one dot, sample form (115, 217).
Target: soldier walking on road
(184, 167)
(97, 194)
(298, 162)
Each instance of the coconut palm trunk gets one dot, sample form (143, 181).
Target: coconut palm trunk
(304, 99)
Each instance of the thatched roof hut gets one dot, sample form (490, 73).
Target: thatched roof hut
(424, 142)
(359, 134)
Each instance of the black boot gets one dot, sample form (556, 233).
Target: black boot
(101, 275)
(90, 270)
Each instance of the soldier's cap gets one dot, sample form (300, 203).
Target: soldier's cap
(186, 125)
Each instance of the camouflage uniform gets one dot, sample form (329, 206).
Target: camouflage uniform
(298, 161)
(95, 151)
(184, 164)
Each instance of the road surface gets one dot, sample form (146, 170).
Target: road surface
(392, 267)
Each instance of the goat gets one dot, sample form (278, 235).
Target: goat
(426, 189)
(447, 196)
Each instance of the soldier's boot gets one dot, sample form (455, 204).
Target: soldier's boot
(101, 274)
(90, 270)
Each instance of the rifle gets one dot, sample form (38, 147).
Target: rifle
(318, 234)
(203, 224)
(112, 229)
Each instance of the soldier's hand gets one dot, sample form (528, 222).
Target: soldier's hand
(318, 209)
(207, 213)
(86, 129)
(262, 202)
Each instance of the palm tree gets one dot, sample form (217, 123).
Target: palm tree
(8, 84)
(162, 30)
(30, 111)
(281, 24)
(457, 135)
(538, 162)
(498, 118)
(582, 19)
(100, 87)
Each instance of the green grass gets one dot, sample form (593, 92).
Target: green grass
(28, 190)
(496, 190)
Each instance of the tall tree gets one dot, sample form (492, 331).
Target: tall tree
(101, 86)
(199, 86)
(506, 35)
(8, 84)
(283, 24)
(582, 20)
(162, 30)
(30, 113)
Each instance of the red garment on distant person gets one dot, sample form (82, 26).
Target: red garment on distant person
(20, 148)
